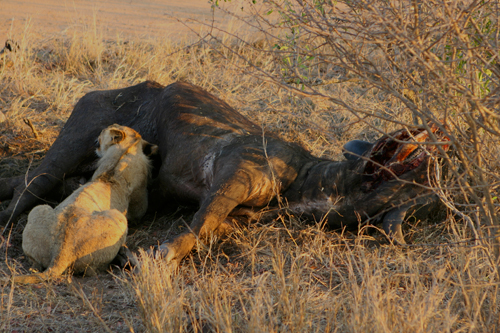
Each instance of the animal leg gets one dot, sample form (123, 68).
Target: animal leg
(125, 258)
(7, 186)
(62, 159)
(224, 229)
(138, 205)
(211, 215)
(392, 223)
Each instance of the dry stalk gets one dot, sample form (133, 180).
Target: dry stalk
(30, 124)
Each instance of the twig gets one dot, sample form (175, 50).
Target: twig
(30, 124)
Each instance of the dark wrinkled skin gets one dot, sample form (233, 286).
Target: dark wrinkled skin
(214, 156)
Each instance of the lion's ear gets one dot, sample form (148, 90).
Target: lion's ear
(149, 148)
(117, 135)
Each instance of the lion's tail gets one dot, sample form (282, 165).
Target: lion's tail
(47, 275)
(29, 278)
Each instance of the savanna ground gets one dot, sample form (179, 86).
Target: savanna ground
(286, 274)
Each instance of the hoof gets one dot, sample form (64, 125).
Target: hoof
(163, 252)
(125, 259)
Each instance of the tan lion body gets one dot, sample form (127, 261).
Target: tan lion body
(86, 231)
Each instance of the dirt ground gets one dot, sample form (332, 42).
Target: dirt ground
(170, 18)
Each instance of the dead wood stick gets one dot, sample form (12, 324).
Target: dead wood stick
(30, 124)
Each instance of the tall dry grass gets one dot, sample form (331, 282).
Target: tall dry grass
(317, 281)
(285, 275)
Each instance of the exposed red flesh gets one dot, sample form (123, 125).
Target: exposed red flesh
(391, 158)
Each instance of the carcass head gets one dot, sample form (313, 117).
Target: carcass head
(403, 154)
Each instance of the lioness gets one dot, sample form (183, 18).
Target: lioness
(86, 231)
(214, 157)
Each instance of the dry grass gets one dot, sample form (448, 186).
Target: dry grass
(276, 277)
(319, 282)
